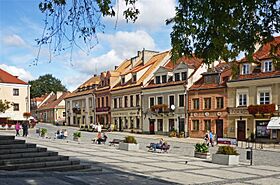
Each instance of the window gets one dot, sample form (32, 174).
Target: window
(159, 100)
(242, 99)
(211, 78)
(164, 78)
(64, 114)
(177, 76)
(157, 79)
(207, 124)
(134, 78)
(131, 101)
(152, 101)
(195, 125)
(267, 66)
(171, 125)
(98, 102)
(16, 106)
(220, 102)
(171, 100)
(137, 100)
(137, 123)
(196, 103)
(123, 80)
(120, 102)
(16, 92)
(184, 75)
(102, 101)
(90, 102)
(160, 125)
(207, 103)
(125, 101)
(245, 69)
(107, 101)
(181, 100)
(264, 97)
(115, 102)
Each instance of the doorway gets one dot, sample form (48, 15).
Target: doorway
(120, 124)
(220, 128)
(241, 130)
(152, 126)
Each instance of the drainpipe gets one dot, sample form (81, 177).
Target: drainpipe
(185, 110)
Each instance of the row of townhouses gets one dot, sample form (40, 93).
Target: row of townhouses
(149, 93)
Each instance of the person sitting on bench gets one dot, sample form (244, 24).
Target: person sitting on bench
(158, 145)
(101, 139)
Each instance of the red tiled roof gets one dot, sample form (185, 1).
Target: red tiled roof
(53, 102)
(39, 99)
(259, 75)
(191, 61)
(264, 51)
(6, 77)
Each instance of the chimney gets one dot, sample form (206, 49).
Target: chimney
(116, 67)
(58, 94)
(94, 75)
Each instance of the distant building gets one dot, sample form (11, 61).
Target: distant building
(17, 92)
(53, 109)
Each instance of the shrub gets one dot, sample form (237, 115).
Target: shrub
(130, 139)
(201, 147)
(43, 131)
(77, 134)
(172, 134)
(227, 150)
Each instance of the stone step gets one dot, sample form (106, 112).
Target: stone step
(17, 146)
(33, 159)
(28, 155)
(22, 150)
(7, 137)
(8, 142)
(12, 167)
(66, 168)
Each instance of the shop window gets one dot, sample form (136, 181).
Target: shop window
(195, 125)
(261, 129)
(207, 103)
(207, 124)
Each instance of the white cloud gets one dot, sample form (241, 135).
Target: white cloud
(72, 82)
(20, 72)
(13, 40)
(152, 13)
(126, 44)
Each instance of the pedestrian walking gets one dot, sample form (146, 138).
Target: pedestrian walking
(206, 138)
(17, 127)
(25, 129)
(211, 138)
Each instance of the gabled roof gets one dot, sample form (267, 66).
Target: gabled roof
(264, 52)
(222, 69)
(6, 77)
(53, 102)
(151, 65)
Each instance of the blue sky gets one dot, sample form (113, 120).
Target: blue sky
(21, 23)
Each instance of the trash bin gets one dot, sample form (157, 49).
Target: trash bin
(248, 155)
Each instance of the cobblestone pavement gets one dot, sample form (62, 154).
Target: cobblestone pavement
(142, 167)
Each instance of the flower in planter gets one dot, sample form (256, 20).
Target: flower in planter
(227, 150)
(201, 147)
(77, 134)
(130, 139)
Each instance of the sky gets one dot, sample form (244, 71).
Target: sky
(22, 22)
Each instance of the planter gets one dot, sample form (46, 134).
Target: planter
(128, 146)
(76, 139)
(225, 159)
(202, 155)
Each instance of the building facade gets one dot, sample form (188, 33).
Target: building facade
(127, 94)
(17, 92)
(254, 96)
(164, 97)
(207, 103)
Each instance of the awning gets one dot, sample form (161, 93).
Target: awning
(274, 123)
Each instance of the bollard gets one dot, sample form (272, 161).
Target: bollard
(249, 155)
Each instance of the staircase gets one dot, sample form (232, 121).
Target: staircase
(18, 155)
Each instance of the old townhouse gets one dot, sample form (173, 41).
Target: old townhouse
(164, 97)
(253, 96)
(53, 109)
(80, 104)
(126, 95)
(37, 102)
(207, 103)
(17, 92)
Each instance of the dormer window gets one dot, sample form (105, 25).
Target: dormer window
(134, 78)
(123, 80)
(164, 78)
(157, 79)
(245, 69)
(184, 75)
(177, 76)
(267, 66)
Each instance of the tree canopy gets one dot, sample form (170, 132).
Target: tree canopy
(221, 30)
(68, 22)
(4, 105)
(45, 84)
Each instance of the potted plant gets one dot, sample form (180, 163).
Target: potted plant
(76, 136)
(226, 155)
(129, 143)
(201, 151)
(43, 132)
(172, 133)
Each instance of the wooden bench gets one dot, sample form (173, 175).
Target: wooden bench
(115, 142)
(162, 148)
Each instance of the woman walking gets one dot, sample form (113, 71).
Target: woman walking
(17, 127)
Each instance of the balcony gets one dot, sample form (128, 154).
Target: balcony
(238, 111)
(267, 109)
(103, 109)
(76, 110)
